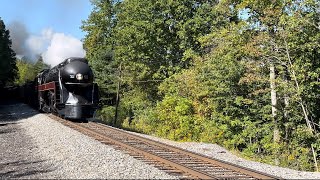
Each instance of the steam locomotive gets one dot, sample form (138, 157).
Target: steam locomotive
(67, 89)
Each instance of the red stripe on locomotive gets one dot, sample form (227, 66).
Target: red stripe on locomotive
(47, 86)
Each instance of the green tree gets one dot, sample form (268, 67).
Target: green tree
(100, 27)
(156, 39)
(26, 72)
(99, 46)
(230, 87)
(218, 103)
(193, 70)
(40, 65)
(8, 69)
(150, 40)
(283, 31)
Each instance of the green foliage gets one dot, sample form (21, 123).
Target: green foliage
(202, 99)
(151, 41)
(8, 69)
(284, 32)
(99, 27)
(13, 70)
(193, 71)
(175, 114)
(99, 46)
(27, 70)
(40, 65)
(107, 114)
(105, 73)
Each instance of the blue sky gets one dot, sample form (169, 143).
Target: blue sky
(62, 16)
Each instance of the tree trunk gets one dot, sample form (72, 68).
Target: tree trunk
(286, 97)
(117, 104)
(276, 134)
(304, 108)
(117, 98)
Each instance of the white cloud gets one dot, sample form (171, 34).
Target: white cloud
(61, 47)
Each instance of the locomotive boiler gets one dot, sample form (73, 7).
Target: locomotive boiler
(68, 89)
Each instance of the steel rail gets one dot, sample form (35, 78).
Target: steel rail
(227, 165)
(163, 155)
(105, 139)
(157, 158)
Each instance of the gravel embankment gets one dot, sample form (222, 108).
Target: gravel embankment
(17, 157)
(35, 146)
(51, 150)
(218, 152)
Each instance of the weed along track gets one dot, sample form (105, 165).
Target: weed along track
(173, 160)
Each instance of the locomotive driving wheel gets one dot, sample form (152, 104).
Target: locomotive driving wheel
(41, 104)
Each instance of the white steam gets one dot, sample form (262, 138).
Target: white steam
(61, 47)
(38, 44)
(54, 47)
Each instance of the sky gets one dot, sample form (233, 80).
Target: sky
(47, 27)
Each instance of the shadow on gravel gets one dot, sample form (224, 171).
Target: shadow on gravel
(6, 124)
(22, 169)
(17, 161)
(7, 131)
(6, 128)
(11, 111)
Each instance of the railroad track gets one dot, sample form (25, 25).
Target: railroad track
(175, 161)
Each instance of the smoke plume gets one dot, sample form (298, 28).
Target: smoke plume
(54, 47)
(19, 35)
(61, 47)
(37, 44)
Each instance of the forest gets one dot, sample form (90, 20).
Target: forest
(240, 73)
(243, 74)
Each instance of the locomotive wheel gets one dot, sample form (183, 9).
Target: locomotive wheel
(40, 110)
(51, 102)
(41, 105)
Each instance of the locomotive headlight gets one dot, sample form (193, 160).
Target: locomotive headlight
(79, 76)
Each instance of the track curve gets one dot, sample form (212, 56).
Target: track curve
(175, 161)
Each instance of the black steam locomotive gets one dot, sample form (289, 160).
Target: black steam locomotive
(67, 89)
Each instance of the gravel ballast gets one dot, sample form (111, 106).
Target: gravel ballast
(17, 151)
(35, 146)
(68, 154)
(218, 152)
